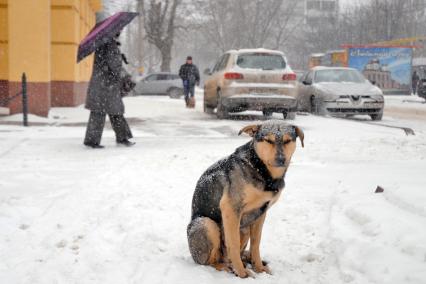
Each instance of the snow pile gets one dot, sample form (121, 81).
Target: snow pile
(119, 215)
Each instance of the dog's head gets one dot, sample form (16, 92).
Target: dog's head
(274, 142)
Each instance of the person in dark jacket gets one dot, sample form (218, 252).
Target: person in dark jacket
(105, 96)
(415, 81)
(190, 76)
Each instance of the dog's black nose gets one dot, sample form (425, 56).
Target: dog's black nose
(280, 161)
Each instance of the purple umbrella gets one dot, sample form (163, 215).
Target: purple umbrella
(102, 32)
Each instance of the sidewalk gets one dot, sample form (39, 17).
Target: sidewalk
(405, 107)
(141, 108)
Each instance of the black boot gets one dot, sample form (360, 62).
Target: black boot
(126, 142)
(94, 146)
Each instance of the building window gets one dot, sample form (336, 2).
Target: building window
(328, 6)
(313, 5)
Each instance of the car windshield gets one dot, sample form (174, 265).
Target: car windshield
(338, 76)
(263, 61)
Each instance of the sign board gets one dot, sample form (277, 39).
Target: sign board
(335, 58)
(388, 67)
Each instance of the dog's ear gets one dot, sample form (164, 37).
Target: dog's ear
(300, 134)
(250, 130)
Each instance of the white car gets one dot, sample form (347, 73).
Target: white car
(339, 91)
(162, 83)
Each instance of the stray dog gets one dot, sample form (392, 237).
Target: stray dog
(232, 197)
(190, 102)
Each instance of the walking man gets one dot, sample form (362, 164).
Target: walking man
(415, 81)
(190, 76)
(105, 96)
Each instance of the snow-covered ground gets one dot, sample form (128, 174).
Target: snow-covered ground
(406, 107)
(73, 215)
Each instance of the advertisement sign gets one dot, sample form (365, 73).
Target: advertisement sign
(388, 67)
(335, 58)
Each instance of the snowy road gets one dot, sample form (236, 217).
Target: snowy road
(73, 215)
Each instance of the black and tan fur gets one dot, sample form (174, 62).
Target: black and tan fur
(232, 197)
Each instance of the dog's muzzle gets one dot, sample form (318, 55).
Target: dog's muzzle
(280, 161)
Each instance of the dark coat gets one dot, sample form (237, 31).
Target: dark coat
(189, 72)
(104, 87)
(415, 78)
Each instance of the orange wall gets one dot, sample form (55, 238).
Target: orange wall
(4, 50)
(71, 22)
(29, 40)
(29, 22)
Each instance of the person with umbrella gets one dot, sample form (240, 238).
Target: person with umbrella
(106, 84)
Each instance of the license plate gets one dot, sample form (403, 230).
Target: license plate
(372, 104)
(262, 91)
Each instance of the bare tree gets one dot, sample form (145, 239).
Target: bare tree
(208, 28)
(383, 20)
(231, 24)
(140, 33)
(367, 23)
(160, 26)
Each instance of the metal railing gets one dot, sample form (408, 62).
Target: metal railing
(24, 95)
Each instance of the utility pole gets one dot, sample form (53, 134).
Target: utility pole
(128, 37)
(140, 33)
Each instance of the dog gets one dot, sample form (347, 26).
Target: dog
(232, 197)
(190, 102)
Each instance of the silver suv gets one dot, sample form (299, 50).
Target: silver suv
(251, 79)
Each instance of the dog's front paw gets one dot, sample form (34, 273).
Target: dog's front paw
(262, 268)
(243, 273)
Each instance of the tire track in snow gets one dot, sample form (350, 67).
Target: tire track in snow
(393, 199)
(331, 242)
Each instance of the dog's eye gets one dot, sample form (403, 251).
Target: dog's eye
(269, 141)
(286, 142)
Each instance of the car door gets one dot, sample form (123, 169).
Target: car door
(217, 76)
(210, 84)
(220, 73)
(175, 81)
(146, 85)
(162, 84)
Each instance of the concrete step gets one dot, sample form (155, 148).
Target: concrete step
(4, 111)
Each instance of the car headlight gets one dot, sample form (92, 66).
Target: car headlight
(378, 98)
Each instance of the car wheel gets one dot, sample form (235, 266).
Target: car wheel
(175, 93)
(207, 108)
(221, 111)
(289, 115)
(377, 116)
(267, 113)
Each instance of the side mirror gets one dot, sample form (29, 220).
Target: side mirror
(207, 71)
(306, 83)
(373, 82)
